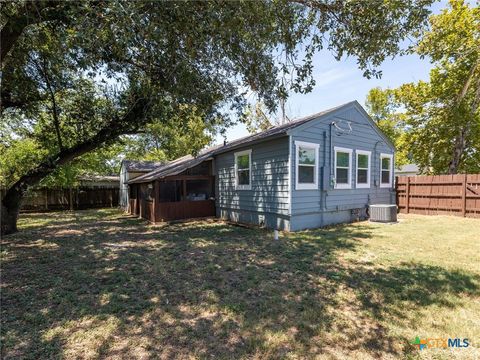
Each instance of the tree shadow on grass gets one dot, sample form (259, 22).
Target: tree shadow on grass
(122, 288)
(398, 293)
(421, 285)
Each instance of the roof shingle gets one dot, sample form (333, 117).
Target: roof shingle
(141, 166)
(179, 165)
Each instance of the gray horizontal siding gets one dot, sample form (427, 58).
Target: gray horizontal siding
(315, 220)
(269, 220)
(125, 176)
(332, 201)
(269, 193)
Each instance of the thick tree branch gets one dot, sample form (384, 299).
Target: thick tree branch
(461, 140)
(463, 92)
(56, 121)
(476, 99)
(30, 13)
(136, 115)
(108, 133)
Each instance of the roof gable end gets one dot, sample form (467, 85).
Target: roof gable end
(374, 125)
(337, 111)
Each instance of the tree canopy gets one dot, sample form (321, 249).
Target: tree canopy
(436, 124)
(185, 133)
(77, 75)
(382, 107)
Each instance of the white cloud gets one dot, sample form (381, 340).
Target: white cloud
(331, 76)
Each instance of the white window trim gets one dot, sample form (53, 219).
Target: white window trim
(390, 180)
(349, 151)
(249, 186)
(314, 185)
(369, 154)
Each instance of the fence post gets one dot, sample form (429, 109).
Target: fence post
(408, 195)
(464, 195)
(70, 197)
(46, 199)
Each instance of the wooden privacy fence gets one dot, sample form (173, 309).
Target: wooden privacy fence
(43, 199)
(439, 195)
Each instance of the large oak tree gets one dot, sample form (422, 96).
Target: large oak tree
(154, 58)
(436, 123)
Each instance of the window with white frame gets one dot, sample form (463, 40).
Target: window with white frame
(307, 165)
(363, 169)
(343, 168)
(386, 170)
(243, 170)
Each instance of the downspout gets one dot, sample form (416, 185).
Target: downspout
(324, 160)
(290, 172)
(332, 174)
(324, 175)
(332, 170)
(377, 171)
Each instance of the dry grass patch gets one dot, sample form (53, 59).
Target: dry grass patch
(99, 284)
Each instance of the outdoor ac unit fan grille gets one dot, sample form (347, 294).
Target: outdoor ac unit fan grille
(383, 213)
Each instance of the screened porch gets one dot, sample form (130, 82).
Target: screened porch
(185, 196)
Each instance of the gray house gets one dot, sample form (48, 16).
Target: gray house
(315, 171)
(130, 169)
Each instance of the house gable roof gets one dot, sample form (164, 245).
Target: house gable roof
(173, 167)
(374, 125)
(179, 165)
(333, 112)
(279, 130)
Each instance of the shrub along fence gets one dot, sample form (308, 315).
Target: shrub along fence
(44, 199)
(439, 195)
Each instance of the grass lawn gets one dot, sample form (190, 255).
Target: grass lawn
(93, 284)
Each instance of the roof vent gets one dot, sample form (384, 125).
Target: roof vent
(383, 213)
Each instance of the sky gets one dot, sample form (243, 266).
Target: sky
(338, 82)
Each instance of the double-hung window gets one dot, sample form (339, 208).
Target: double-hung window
(363, 169)
(343, 168)
(243, 170)
(307, 165)
(386, 170)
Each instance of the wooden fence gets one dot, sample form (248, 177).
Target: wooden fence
(439, 195)
(43, 199)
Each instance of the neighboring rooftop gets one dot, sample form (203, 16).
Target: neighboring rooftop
(141, 166)
(409, 168)
(105, 178)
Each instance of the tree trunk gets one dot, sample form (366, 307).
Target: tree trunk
(10, 207)
(461, 139)
(70, 197)
(457, 152)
